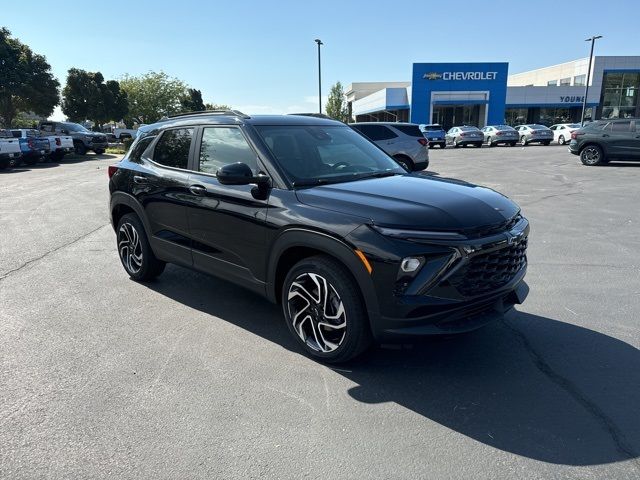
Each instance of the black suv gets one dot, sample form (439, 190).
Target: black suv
(310, 214)
(604, 140)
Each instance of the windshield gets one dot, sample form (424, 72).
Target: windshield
(312, 155)
(573, 125)
(432, 128)
(74, 127)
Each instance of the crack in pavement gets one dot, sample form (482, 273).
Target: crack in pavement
(565, 384)
(29, 262)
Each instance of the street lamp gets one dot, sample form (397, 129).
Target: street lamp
(586, 87)
(319, 42)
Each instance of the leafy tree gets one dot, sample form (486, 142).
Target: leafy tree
(192, 101)
(26, 81)
(152, 95)
(216, 106)
(87, 96)
(336, 106)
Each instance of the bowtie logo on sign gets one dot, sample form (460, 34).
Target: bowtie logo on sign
(460, 76)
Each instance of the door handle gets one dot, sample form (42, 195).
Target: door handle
(197, 189)
(140, 180)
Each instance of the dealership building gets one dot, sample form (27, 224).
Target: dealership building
(485, 94)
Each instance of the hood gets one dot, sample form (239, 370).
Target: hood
(414, 202)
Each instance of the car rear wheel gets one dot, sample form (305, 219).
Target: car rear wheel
(79, 148)
(490, 142)
(523, 141)
(134, 250)
(404, 162)
(455, 143)
(561, 140)
(4, 163)
(592, 155)
(324, 310)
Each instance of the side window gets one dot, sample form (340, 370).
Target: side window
(377, 132)
(224, 145)
(139, 148)
(173, 148)
(47, 127)
(621, 127)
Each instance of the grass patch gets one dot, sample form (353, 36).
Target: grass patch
(116, 150)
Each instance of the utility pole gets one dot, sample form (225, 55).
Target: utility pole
(586, 87)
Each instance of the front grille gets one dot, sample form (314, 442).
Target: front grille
(494, 229)
(487, 272)
(99, 140)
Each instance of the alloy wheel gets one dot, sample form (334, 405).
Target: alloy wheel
(591, 155)
(316, 312)
(561, 140)
(130, 248)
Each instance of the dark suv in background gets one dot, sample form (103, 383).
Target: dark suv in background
(310, 214)
(604, 140)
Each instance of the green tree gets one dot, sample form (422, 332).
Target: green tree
(87, 96)
(152, 96)
(192, 101)
(26, 81)
(216, 106)
(336, 106)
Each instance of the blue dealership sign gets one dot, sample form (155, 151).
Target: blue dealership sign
(459, 84)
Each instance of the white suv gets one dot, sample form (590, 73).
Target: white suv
(402, 141)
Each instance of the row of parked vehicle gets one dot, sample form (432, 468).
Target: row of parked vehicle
(50, 141)
(493, 135)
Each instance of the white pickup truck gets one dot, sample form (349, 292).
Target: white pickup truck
(9, 149)
(60, 144)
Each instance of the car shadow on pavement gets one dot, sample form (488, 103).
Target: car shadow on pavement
(528, 385)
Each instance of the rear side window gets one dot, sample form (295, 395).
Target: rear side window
(621, 126)
(375, 132)
(172, 150)
(411, 130)
(222, 146)
(138, 149)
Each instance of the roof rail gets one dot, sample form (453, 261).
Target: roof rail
(317, 115)
(233, 113)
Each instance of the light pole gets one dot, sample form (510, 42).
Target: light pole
(319, 42)
(586, 87)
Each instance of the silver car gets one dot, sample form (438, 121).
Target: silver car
(497, 134)
(463, 136)
(402, 141)
(534, 133)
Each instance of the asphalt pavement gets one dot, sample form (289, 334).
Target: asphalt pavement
(191, 377)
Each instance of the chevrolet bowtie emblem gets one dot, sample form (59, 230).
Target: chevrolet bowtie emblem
(432, 76)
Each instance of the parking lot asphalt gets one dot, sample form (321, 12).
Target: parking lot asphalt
(192, 377)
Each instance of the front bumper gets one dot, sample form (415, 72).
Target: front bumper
(98, 146)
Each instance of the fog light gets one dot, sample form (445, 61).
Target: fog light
(410, 264)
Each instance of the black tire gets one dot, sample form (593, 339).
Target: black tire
(15, 162)
(512, 144)
(455, 143)
(99, 151)
(561, 140)
(139, 260)
(442, 145)
(4, 163)
(345, 343)
(592, 155)
(523, 141)
(546, 143)
(79, 148)
(404, 162)
(490, 142)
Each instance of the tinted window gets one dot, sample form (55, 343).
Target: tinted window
(376, 132)
(621, 126)
(139, 147)
(468, 129)
(16, 133)
(222, 146)
(411, 130)
(537, 126)
(173, 148)
(432, 128)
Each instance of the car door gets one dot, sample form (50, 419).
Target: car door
(226, 222)
(620, 137)
(160, 183)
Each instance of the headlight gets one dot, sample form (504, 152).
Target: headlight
(411, 264)
(418, 234)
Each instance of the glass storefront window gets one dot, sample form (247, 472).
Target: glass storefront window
(515, 116)
(620, 95)
(580, 80)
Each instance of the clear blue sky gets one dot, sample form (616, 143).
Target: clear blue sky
(260, 56)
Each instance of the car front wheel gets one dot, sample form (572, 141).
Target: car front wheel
(324, 310)
(592, 155)
(523, 141)
(561, 140)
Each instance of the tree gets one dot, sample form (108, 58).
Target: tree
(26, 81)
(336, 106)
(216, 106)
(192, 101)
(152, 95)
(87, 96)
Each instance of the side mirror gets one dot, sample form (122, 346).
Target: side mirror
(239, 174)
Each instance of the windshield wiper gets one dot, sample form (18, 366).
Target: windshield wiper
(311, 183)
(377, 175)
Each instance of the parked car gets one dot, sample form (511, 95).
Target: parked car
(32, 146)
(534, 133)
(562, 131)
(310, 214)
(120, 134)
(9, 149)
(497, 134)
(403, 141)
(84, 140)
(59, 144)
(601, 141)
(434, 133)
(464, 135)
